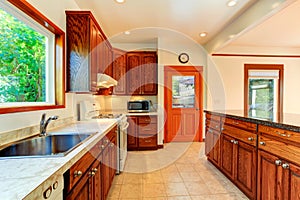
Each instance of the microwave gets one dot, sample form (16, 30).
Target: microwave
(139, 106)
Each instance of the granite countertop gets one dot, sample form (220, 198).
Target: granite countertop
(288, 121)
(142, 114)
(21, 178)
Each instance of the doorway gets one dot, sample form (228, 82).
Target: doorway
(183, 103)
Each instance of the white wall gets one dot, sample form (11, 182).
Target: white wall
(232, 77)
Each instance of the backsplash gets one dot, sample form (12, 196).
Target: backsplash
(15, 135)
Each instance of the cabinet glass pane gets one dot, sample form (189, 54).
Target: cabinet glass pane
(183, 91)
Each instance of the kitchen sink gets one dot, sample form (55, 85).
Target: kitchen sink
(59, 144)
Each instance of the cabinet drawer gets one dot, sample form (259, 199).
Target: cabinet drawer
(213, 125)
(149, 129)
(280, 133)
(78, 170)
(147, 119)
(279, 148)
(213, 117)
(240, 124)
(148, 141)
(239, 134)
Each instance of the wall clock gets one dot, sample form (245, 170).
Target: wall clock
(183, 58)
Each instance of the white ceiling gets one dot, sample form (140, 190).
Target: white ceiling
(149, 19)
(280, 30)
(189, 17)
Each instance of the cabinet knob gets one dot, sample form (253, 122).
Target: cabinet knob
(210, 131)
(92, 173)
(232, 141)
(94, 170)
(262, 143)
(102, 146)
(235, 142)
(285, 166)
(112, 145)
(106, 141)
(250, 138)
(278, 162)
(77, 173)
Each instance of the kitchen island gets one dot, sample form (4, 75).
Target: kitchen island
(35, 178)
(262, 157)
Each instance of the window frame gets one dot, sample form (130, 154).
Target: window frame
(59, 59)
(272, 67)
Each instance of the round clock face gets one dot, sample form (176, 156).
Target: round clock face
(183, 58)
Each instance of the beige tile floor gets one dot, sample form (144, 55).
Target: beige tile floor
(178, 171)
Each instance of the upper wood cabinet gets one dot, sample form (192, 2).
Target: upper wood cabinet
(119, 71)
(141, 73)
(88, 52)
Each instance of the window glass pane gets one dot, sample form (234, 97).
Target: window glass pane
(261, 98)
(183, 91)
(22, 61)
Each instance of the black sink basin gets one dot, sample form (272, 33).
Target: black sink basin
(50, 145)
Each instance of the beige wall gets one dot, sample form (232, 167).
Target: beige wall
(232, 77)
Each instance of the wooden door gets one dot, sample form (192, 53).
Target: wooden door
(246, 169)
(228, 156)
(82, 190)
(133, 73)
(149, 73)
(216, 148)
(269, 177)
(183, 103)
(132, 131)
(93, 55)
(292, 183)
(105, 172)
(119, 71)
(95, 176)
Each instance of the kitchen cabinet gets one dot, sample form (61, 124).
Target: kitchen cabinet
(212, 138)
(239, 156)
(141, 73)
(119, 71)
(90, 178)
(88, 52)
(278, 164)
(142, 132)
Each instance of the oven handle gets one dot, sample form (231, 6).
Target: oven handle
(124, 126)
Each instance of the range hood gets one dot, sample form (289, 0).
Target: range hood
(105, 81)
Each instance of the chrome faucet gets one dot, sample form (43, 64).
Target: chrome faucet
(44, 124)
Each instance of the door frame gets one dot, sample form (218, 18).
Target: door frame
(181, 68)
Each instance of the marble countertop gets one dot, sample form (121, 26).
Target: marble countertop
(287, 121)
(21, 178)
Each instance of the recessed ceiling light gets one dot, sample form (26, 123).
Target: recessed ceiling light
(127, 32)
(232, 3)
(120, 1)
(203, 34)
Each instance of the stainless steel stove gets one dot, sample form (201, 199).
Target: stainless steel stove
(89, 111)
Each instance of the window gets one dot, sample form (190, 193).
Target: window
(263, 91)
(31, 59)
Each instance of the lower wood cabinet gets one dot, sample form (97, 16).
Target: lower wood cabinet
(238, 162)
(90, 178)
(142, 132)
(278, 179)
(263, 161)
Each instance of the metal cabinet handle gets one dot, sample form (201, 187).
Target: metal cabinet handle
(102, 147)
(106, 141)
(92, 173)
(112, 145)
(250, 139)
(77, 173)
(278, 162)
(232, 141)
(235, 142)
(262, 143)
(285, 166)
(210, 131)
(235, 122)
